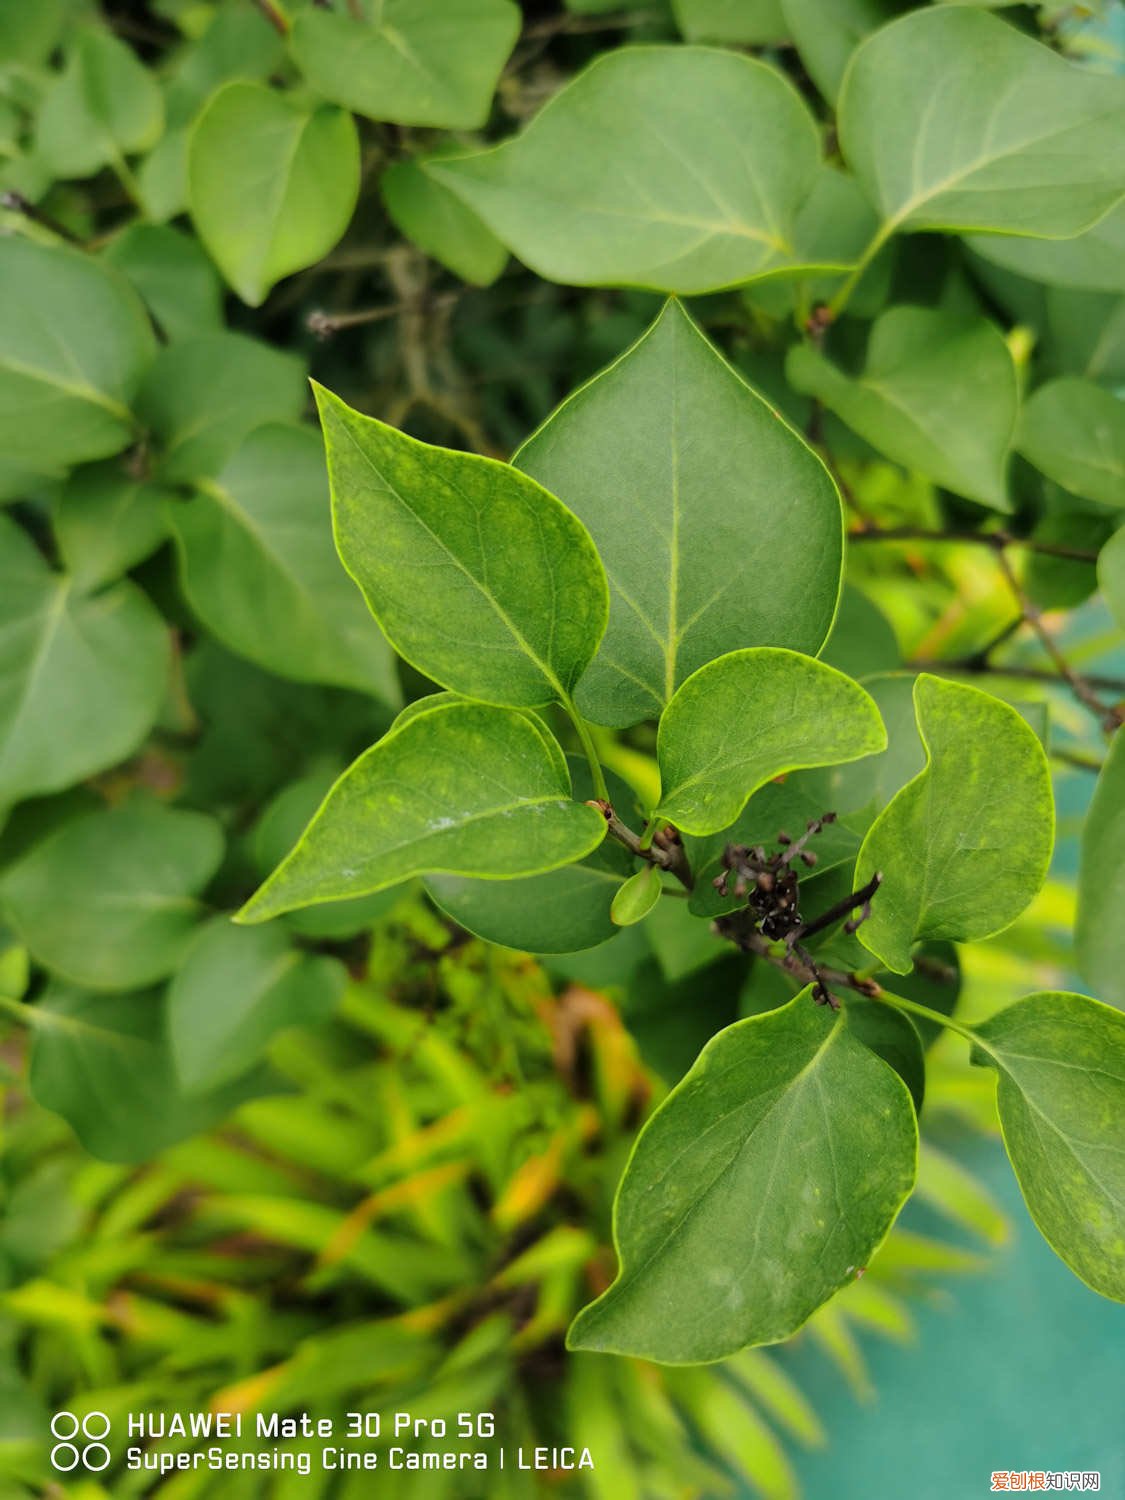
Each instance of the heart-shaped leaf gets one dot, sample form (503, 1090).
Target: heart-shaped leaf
(718, 527)
(1099, 936)
(716, 1250)
(170, 270)
(271, 185)
(464, 789)
(938, 395)
(237, 987)
(74, 342)
(259, 568)
(965, 846)
(479, 577)
(109, 901)
(600, 189)
(1074, 431)
(748, 717)
(952, 119)
(94, 663)
(1061, 1096)
(409, 61)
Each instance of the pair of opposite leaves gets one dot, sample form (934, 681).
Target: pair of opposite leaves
(692, 487)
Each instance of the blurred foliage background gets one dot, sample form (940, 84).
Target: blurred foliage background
(388, 1184)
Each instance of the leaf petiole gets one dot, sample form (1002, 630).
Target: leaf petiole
(900, 1003)
(589, 749)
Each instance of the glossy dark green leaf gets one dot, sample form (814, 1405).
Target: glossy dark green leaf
(717, 526)
(74, 343)
(1099, 936)
(464, 789)
(748, 717)
(409, 61)
(634, 899)
(599, 190)
(271, 185)
(716, 1250)
(1061, 1096)
(106, 522)
(237, 988)
(938, 394)
(431, 214)
(259, 568)
(104, 106)
(893, 1036)
(103, 1062)
(169, 269)
(562, 911)
(953, 119)
(480, 578)
(1074, 431)
(110, 900)
(205, 394)
(965, 846)
(82, 676)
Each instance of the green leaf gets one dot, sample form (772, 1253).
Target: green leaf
(749, 22)
(104, 106)
(965, 846)
(1085, 334)
(204, 395)
(271, 185)
(238, 987)
(598, 190)
(409, 61)
(109, 901)
(1074, 431)
(827, 32)
(893, 1036)
(1061, 1096)
(938, 395)
(1099, 936)
(259, 568)
(479, 577)
(106, 522)
(952, 119)
(863, 641)
(1094, 261)
(28, 33)
(562, 911)
(748, 717)
(431, 214)
(279, 828)
(170, 271)
(636, 898)
(82, 676)
(717, 526)
(104, 1064)
(74, 342)
(465, 789)
(717, 1250)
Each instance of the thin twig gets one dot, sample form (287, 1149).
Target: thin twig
(276, 17)
(16, 203)
(1079, 762)
(1110, 717)
(996, 540)
(666, 851)
(977, 665)
(745, 935)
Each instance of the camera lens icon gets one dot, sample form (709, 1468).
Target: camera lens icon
(91, 1454)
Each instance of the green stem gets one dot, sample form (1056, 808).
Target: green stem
(589, 749)
(16, 1009)
(899, 1003)
(649, 831)
(848, 286)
